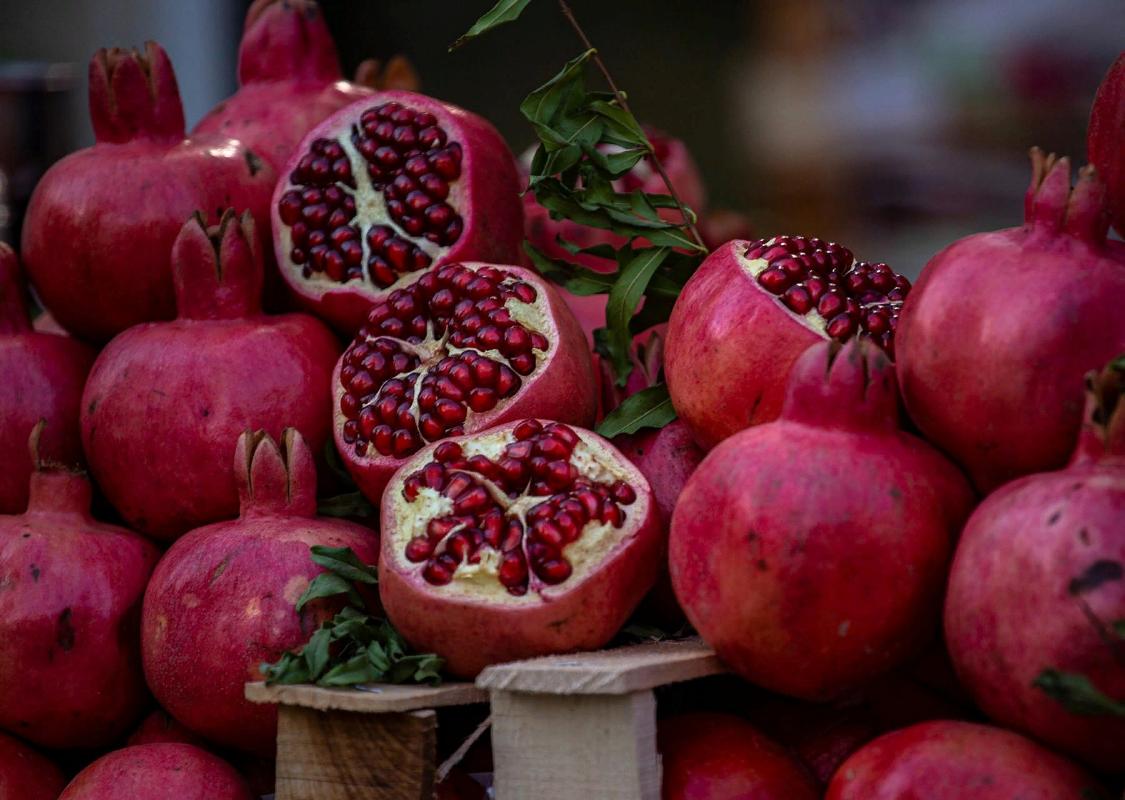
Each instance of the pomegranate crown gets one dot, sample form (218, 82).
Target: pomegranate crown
(1103, 429)
(13, 312)
(1051, 206)
(273, 480)
(134, 95)
(55, 486)
(285, 40)
(217, 270)
(850, 386)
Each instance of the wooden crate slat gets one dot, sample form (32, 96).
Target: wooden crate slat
(381, 699)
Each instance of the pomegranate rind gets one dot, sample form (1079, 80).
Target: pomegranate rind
(156, 772)
(562, 387)
(472, 629)
(485, 195)
(958, 759)
(1105, 135)
(26, 774)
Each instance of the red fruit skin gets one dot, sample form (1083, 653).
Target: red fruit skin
(486, 195)
(944, 759)
(1020, 598)
(1000, 328)
(709, 756)
(1104, 136)
(158, 772)
(160, 727)
(69, 613)
(25, 774)
(44, 375)
(221, 600)
(724, 372)
(564, 392)
(289, 80)
(165, 401)
(784, 537)
(471, 634)
(101, 222)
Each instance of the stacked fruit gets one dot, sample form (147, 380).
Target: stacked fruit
(786, 514)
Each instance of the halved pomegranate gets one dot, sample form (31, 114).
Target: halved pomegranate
(387, 186)
(751, 309)
(524, 540)
(463, 348)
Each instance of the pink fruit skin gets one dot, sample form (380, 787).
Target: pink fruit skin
(1011, 611)
(158, 772)
(165, 401)
(724, 373)
(488, 201)
(784, 537)
(221, 601)
(101, 222)
(25, 774)
(1001, 327)
(44, 375)
(471, 635)
(709, 756)
(563, 392)
(70, 598)
(289, 80)
(1104, 136)
(943, 759)
(160, 727)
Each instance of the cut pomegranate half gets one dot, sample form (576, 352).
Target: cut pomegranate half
(387, 186)
(524, 540)
(463, 348)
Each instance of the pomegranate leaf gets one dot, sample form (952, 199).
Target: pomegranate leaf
(327, 584)
(648, 408)
(345, 563)
(633, 277)
(1077, 694)
(501, 13)
(352, 504)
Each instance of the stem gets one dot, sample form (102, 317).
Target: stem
(620, 96)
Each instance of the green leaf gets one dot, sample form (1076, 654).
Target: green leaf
(501, 13)
(1118, 626)
(316, 652)
(345, 563)
(574, 278)
(327, 584)
(352, 504)
(542, 107)
(626, 293)
(356, 669)
(648, 408)
(1077, 694)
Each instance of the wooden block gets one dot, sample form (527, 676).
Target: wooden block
(375, 699)
(618, 671)
(347, 755)
(594, 747)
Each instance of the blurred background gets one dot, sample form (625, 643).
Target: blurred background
(894, 126)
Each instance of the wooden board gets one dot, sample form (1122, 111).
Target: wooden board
(374, 699)
(619, 671)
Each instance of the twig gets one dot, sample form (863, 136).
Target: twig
(617, 93)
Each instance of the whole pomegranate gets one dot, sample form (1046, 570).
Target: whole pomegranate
(70, 598)
(943, 759)
(1036, 580)
(43, 378)
(160, 726)
(25, 774)
(1104, 137)
(1002, 326)
(790, 540)
(289, 80)
(749, 312)
(166, 400)
(158, 772)
(523, 540)
(101, 222)
(387, 186)
(221, 600)
(710, 756)
(462, 348)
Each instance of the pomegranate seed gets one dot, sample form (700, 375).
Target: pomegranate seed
(554, 571)
(623, 492)
(419, 549)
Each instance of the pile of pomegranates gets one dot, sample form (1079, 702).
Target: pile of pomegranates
(895, 511)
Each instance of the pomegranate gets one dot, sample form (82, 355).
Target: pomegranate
(25, 774)
(944, 759)
(166, 401)
(221, 601)
(158, 772)
(101, 222)
(786, 539)
(989, 374)
(749, 312)
(385, 187)
(709, 756)
(70, 597)
(463, 348)
(159, 727)
(43, 380)
(524, 540)
(1104, 137)
(1038, 577)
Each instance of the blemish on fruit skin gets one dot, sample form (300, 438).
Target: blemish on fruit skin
(294, 588)
(842, 629)
(219, 570)
(64, 633)
(1084, 536)
(1051, 520)
(35, 573)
